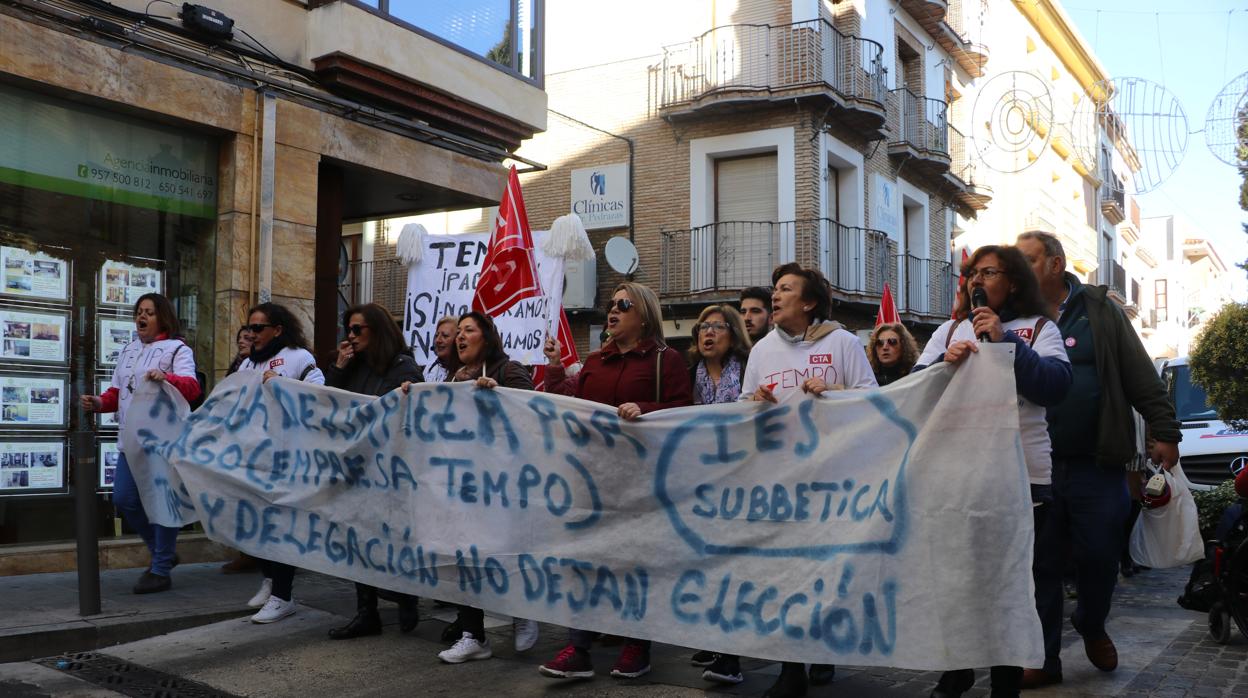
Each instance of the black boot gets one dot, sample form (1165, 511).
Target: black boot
(822, 674)
(954, 683)
(409, 613)
(150, 583)
(366, 621)
(791, 682)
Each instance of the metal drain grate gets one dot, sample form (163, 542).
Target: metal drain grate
(129, 679)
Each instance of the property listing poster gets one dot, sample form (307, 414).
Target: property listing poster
(105, 420)
(115, 334)
(122, 284)
(32, 401)
(34, 274)
(108, 453)
(34, 336)
(32, 465)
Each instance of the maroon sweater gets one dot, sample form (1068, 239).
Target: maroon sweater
(613, 378)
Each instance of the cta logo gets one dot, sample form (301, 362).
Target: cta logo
(820, 359)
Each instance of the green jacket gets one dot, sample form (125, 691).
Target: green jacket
(1128, 379)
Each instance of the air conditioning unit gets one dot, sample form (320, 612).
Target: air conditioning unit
(580, 283)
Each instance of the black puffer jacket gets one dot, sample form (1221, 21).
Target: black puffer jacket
(359, 378)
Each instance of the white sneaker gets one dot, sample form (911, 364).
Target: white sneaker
(262, 596)
(525, 631)
(274, 610)
(466, 650)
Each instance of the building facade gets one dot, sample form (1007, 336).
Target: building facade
(1183, 288)
(215, 158)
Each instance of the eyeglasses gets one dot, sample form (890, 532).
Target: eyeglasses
(258, 327)
(716, 326)
(987, 273)
(355, 330)
(622, 304)
(890, 341)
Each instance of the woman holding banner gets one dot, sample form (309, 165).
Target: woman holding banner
(1000, 301)
(372, 360)
(635, 372)
(157, 355)
(788, 360)
(479, 349)
(444, 367)
(721, 348)
(279, 349)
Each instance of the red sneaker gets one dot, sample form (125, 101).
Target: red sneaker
(634, 661)
(570, 664)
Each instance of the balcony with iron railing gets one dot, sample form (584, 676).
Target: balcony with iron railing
(965, 21)
(920, 132)
(926, 288)
(969, 187)
(383, 281)
(731, 255)
(737, 66)
(1113, 201)
(1111, 274)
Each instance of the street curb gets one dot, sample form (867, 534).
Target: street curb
(24, 644)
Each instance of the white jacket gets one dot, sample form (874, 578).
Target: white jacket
(169, 355)
(290, 362)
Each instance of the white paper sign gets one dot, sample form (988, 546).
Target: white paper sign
(33, 336)
(34, 274)
(866, 527)
(32, 401)
(105, 420)
(30, 465)
(444, 281)
(123, 284)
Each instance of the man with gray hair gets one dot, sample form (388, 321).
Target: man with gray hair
(1093, 437)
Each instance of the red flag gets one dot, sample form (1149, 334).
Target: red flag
(567, 356)
(957, 290)
(508, 274)
(888, 309)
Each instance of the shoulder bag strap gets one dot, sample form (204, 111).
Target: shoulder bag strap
(658, 373)
(1036, 332)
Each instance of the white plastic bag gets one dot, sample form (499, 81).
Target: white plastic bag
(1169, 536)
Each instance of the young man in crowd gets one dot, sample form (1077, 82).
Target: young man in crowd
(756, 310)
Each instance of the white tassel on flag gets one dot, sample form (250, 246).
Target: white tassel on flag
(568, 239)
(411, 244)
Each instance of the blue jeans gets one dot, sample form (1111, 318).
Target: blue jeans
(1087, 526)
(160, 540)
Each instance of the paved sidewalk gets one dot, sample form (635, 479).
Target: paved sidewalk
(1165, 651)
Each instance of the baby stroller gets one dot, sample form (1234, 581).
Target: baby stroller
(1230, 569)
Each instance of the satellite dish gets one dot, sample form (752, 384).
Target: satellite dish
(621, 255)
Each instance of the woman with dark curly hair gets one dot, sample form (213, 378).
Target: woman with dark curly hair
(892, 352)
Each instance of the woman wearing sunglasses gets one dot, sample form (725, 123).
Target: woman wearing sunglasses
(279, 349)
(372, 360)
(158, 354)
(1012, 310)
(635, 372)
(892, 352)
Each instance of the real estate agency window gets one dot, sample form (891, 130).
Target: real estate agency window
(96, 209)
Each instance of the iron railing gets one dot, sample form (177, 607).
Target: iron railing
(1111, 274)
(922, 122)
(1135, 292)
(764, 57)
(731, 255)
(962, 165)
(383, 281)
(927, 288)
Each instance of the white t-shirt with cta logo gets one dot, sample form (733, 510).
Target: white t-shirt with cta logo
(837, 357)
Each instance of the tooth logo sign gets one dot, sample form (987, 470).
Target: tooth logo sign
(598, 183)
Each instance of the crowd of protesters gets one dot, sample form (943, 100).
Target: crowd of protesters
(1079, 372)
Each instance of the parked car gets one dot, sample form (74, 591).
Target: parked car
(1210, 446)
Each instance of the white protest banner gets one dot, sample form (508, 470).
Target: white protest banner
(443, 282)
(163, 409)
(889, 527)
